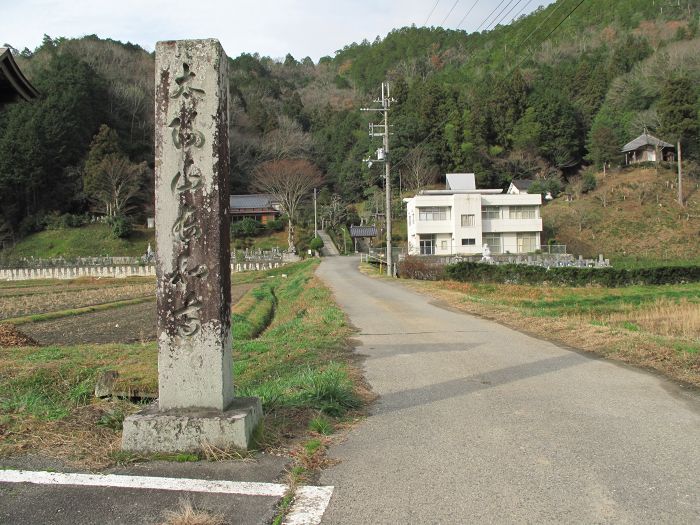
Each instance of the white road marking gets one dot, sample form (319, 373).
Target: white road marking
(309, 505)
(144, 482)
(309, 502)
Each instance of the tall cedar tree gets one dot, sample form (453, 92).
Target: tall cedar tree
(678, 114)
(41, 141)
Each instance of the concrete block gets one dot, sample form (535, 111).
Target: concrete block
(187, 429)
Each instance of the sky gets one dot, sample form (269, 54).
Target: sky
(273, 28)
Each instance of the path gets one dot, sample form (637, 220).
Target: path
(328, 245)
(479, 423)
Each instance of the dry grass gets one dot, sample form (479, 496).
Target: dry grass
(664, 317)
(188, 514)
(626, 216)
(56, 299)
(672, 354)
(214, 453)
(78, 440)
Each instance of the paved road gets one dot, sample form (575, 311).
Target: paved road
(479, 423)
(328, 246)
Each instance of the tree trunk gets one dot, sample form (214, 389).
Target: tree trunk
(290, 237)
(680, 177)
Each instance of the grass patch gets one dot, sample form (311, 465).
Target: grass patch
(93, 240)
(290, 348)
(321, 425)
(48, 316)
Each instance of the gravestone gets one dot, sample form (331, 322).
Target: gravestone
(195, 384)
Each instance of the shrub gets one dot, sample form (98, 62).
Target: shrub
(276, 225)
(55, 221)
(121, 225)
(589, 182)
(246, 228)
(316, 244)
(567, 276)
(415, 267)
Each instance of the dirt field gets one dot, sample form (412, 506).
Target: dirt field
(127, 324)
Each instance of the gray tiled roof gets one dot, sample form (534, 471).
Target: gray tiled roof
(645, 140)
(258, 201)
(363, 231)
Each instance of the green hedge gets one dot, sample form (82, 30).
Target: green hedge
(566, 276)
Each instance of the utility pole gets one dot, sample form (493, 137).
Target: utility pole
(680, 176)
(382, 130)
(315, 216)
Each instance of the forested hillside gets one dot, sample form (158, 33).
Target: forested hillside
(560, 89)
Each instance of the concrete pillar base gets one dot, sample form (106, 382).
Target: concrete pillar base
(187, 429)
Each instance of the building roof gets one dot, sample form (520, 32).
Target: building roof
(14, 86)
(363, 231)
(258, 201)
(522, 184)
(645, 140)
(460, 181)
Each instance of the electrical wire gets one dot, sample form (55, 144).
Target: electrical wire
(522, 42)
(489, 16)
(499, 14)
(530, 53)
(508, 13)
(546, 37)
(431, 12)
(449, 13)
(465, 16)
(515, 17)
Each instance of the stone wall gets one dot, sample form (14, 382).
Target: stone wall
(25, 274)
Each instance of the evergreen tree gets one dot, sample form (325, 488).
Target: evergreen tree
(678, 114)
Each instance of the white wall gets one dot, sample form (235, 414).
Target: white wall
(452, 230)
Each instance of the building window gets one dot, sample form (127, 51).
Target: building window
(436, 213)
(522, 212)
(494, 242)
(427, 245)
(443, 245)
(467, 220)
(490, 212)
(469, 242)
(527, 242)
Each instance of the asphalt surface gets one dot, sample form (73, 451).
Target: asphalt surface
(81, 505)
(328, 245)
(478, 423)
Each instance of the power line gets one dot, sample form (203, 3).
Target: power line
(499, 14)
(431, 12)
(508, 13)
(436, 128)
(489, 15)
(521, 10)
(546, 37)
(449, 13)
(465, 16)
(557, 6)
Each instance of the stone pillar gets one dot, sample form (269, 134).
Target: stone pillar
(192, 234)
(195, 365)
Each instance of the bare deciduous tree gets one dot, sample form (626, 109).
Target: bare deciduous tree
(335, 211)
(287, 141)
(288, 181)
(419, 172)
(118, 182)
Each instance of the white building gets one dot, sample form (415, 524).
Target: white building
(461, 219)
